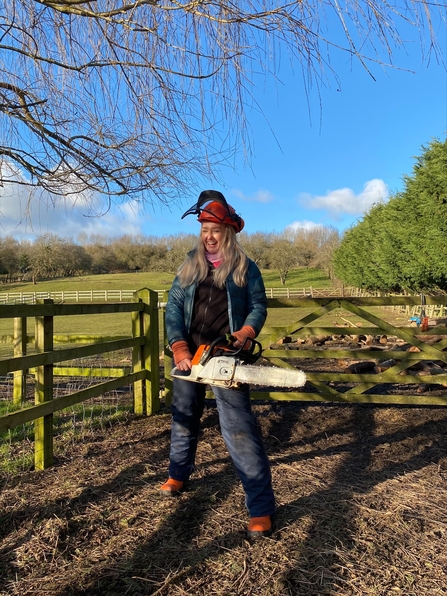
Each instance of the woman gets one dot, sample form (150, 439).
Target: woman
(218, 290)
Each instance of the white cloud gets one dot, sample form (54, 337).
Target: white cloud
(26, 213)
(260, 196)
(303, 225)
(344, 200)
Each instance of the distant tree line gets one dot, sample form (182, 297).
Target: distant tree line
(50, 256)
(402, 245)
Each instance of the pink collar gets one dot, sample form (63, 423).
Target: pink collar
(214, 259)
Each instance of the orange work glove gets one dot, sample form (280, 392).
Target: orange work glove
(180, 351)
(243, 335)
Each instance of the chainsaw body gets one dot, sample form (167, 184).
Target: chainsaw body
(222, 365)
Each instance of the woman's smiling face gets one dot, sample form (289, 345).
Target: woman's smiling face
(213, 235)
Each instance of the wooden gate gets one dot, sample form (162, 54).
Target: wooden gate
(419, 347)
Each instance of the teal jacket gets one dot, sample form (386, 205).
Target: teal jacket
(246, 305)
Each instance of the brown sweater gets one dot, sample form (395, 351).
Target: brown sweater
(210, 313)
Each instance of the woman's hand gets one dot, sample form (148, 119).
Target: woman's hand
(182, 355)
(184, 364)
(244, 334)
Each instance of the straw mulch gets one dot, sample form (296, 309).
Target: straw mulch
(362, 510)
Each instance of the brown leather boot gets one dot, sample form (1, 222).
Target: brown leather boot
(171, 488)
(259, 527)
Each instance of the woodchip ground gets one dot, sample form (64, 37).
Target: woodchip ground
(361, 510)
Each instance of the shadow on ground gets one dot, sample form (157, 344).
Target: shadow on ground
(360, 493)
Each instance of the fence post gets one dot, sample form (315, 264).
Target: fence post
(20, 337)
(167, 356)
(43, 427)
(147, 356)
(139, 387)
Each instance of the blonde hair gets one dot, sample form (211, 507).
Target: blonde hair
(234, 260)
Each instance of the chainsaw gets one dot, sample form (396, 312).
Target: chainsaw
(223, 365)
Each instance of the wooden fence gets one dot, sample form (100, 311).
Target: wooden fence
(144, 376)
(127, 295)
(69, 296)
(309, 317)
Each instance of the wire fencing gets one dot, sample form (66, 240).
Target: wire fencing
(74, 424)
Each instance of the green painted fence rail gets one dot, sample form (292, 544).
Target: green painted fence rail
(308, 318)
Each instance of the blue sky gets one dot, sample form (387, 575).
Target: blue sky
(332, 155)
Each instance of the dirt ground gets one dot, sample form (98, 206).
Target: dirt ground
(361, 510)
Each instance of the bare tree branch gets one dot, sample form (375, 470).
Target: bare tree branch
(143, 99)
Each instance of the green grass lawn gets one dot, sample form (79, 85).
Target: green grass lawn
(120, 324)
(297, 278)
(112, 281)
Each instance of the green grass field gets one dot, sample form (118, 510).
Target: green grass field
(297, 278)
(113, 281)
(120, 324)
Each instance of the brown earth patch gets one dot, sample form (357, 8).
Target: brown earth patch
(361, 494)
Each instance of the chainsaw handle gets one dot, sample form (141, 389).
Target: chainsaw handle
(249, 355)
(252, 354)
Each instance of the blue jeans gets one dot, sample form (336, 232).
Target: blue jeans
(240, 431)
